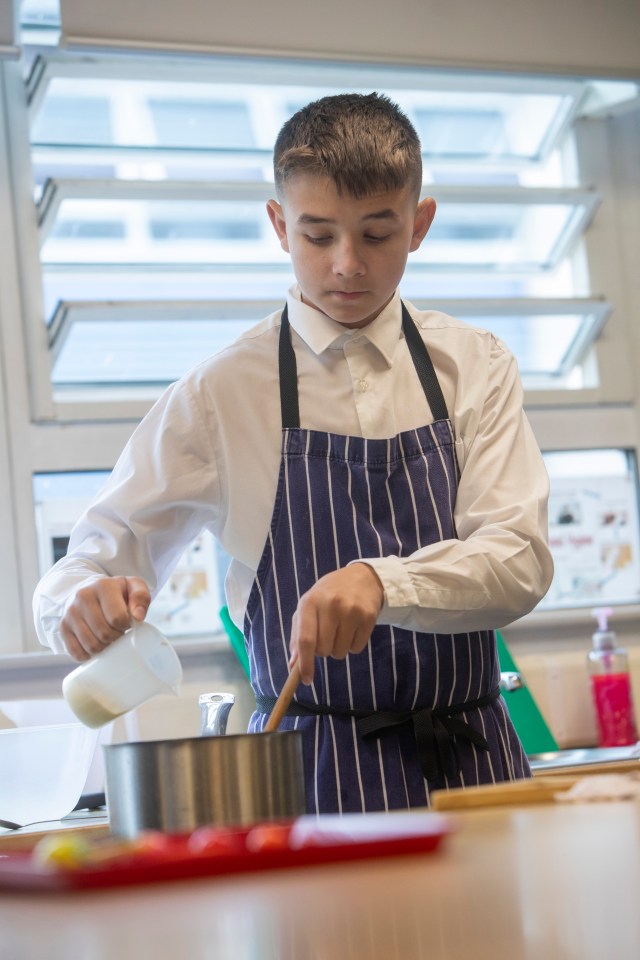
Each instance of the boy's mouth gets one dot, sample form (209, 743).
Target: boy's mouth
(348, 294)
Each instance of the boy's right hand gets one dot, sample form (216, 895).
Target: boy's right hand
(102, 612)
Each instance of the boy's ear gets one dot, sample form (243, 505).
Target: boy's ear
(276, 215)
(425, 212)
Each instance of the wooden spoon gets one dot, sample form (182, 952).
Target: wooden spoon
(283, 701)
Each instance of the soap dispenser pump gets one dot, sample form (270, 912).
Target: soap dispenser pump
(608, 667)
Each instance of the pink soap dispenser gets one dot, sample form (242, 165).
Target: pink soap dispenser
(611, 686)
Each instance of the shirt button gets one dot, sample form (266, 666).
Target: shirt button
(363, 386)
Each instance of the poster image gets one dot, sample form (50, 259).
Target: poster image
(594, 539)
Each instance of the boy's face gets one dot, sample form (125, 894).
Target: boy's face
(348, 255)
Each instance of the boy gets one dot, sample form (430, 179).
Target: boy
(369, 469)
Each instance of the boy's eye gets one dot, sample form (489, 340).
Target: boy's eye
(327, 238)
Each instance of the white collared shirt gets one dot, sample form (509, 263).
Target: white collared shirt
(208, 453)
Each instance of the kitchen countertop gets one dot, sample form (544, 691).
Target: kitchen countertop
(92, 823)
(556, 881)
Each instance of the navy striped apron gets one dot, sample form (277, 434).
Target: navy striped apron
(414, 711)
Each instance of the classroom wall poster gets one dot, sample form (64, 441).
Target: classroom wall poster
(594, 538)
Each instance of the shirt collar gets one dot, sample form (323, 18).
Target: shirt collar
(321, 333)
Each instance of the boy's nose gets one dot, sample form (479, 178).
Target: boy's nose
(347, 261)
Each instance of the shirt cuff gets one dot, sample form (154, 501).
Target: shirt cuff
(399, 591)
(421, 603)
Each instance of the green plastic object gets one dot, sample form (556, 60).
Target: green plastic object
(236, 638)
(530, 725)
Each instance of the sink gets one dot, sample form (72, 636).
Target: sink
(583, 756)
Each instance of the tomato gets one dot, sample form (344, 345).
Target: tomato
(270, 836)
(153, 843)
(209, 841)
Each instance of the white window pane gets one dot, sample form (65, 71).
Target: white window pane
(74, 119)
(540, 343)
(194, 123)
(498, 235)
(121, 231)
(482, 123)
(129, 351)
(69, 282)
(489, 127)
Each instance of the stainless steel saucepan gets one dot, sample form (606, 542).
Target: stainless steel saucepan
(178, 785)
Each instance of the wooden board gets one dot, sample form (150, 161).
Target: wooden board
(511, 793)
(18, 841)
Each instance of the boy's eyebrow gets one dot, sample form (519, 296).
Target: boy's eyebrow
(387, 214)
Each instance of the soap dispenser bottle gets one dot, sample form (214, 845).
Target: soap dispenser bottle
(611, 686)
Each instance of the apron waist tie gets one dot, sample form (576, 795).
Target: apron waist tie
(433, 728)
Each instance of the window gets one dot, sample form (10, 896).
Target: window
(180, 216)
(135, 243)
(189, 603)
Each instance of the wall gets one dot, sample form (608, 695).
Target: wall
(558, 681)
(575, 36)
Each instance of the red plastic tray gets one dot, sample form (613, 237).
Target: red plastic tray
(323, 840)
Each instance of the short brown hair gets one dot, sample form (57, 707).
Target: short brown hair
(363, 142)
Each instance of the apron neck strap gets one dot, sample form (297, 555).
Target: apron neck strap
(288, 376)
(424, 367)
(417, 348)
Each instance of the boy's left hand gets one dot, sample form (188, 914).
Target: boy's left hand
(336, 616)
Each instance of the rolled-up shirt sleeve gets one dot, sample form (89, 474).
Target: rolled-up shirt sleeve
(500, 566)
(163, 491)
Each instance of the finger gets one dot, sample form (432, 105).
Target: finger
(304, 632)
(361, 639)
(112, 616)
(72, 645)
(338, 639)
(138, 597)
(98, 613)
(101, 607)
(79, 640)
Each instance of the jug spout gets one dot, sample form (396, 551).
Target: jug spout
(214, 713)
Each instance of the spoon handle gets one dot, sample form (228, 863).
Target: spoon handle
(283, 701)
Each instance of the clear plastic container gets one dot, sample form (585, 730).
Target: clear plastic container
(43, 770)
(134, 668)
